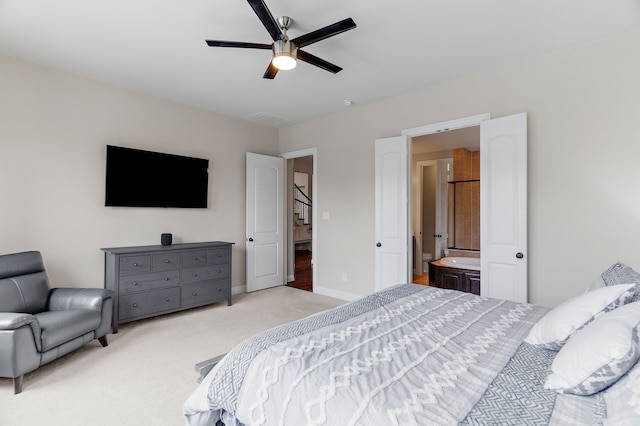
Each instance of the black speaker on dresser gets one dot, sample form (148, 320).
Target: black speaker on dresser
(166, 239)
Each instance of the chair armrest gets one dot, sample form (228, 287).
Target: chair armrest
(14, 320)
(64, 299)
(10, 321)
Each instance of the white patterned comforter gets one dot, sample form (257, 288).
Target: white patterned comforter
(409, 355)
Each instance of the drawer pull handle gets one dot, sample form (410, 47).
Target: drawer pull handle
(166, 261)
(219, 255)
(194, 294)
(219, 271)
(194, 275)
(166, 299)
(135, 264)
(166, 278)
(135, 283)
(194, 258)
(219, 289)
(135, 305)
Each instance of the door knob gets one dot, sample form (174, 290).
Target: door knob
(250, 239)
(519, 255)
(379, 245)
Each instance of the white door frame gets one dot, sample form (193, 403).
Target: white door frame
(445, 126)
(313, 152)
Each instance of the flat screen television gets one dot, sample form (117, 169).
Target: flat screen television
(137, 178)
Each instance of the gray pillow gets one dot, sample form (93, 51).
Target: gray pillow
(618, 273)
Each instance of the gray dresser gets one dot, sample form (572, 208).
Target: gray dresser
(155, 280)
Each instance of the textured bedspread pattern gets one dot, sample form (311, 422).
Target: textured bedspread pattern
(407, 355)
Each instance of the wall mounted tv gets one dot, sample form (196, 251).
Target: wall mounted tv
(137, 178)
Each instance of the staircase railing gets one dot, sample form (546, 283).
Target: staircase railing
(302, 205)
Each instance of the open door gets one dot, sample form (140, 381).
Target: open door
(392, 261)
(265, 221)
(503, 202)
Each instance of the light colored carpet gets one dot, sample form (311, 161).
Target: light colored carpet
(147, 372)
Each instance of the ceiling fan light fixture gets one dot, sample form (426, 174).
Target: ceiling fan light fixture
(284, 55)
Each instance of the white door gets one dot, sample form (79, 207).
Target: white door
(265, 221)
(392, 263)
(445, 175)
(503, 202)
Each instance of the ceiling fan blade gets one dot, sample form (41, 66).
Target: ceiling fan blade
(223, 43)
(271, 72)
(326, 32)
(320, 63)
(266, 18)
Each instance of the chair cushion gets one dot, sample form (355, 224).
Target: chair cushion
(24, 286)
(14, 264)
(59, 327)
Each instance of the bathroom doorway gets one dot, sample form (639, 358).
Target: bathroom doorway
(433, 215)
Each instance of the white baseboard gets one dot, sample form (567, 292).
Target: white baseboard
(237, 289)
(336, 294)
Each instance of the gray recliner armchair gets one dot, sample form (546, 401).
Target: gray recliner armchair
(39, 324)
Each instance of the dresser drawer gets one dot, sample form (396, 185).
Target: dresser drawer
(194, 258)
(150, 281)
(218, 256)
(135, 264)
(164, 261)
(205, 292)
(149, 302)
(204, 273)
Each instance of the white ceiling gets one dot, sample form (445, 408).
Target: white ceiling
(157, 46)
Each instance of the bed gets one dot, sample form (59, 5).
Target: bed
(412, 355)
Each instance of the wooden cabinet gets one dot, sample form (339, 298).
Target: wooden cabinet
(156, 280)
(456, 279)
(472, 282)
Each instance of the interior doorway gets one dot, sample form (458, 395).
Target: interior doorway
(432, 215)
(300, 218)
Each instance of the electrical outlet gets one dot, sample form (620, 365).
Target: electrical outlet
(344, 276)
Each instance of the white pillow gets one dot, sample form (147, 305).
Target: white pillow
(599, 354)
(553, 330)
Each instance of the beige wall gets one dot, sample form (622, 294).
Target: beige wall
(584, 143)
(53, 131)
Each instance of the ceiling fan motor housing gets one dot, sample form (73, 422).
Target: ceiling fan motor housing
(284, 54)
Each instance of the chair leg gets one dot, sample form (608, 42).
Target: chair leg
(103, 341)
(17, 384)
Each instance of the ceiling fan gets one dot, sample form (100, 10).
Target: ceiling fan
(286, 51)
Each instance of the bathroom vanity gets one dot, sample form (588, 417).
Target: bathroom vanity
(456, 275)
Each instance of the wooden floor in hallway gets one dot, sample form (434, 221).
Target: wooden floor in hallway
(303, 271)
